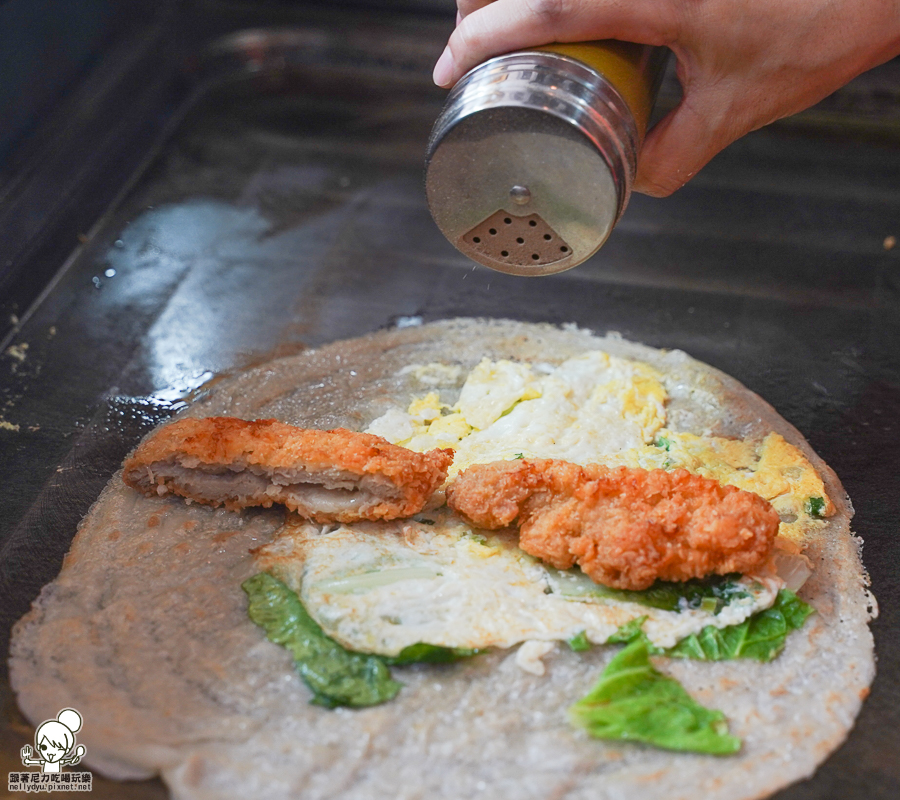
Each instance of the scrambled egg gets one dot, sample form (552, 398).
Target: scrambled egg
(597, 408)
(378, 588)
(587, 408)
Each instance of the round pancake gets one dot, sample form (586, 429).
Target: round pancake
(145, 630)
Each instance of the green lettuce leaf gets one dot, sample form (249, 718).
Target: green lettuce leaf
(674, 595)
(761, 636)
(335, 675)
(711, 593)
(634, 702)
(628, 632)
(428, 653)
(579, 642)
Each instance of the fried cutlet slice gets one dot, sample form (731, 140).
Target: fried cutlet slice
(325, 476)
(624, 527)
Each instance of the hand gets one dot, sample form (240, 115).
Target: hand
(26, 752)
(76, 756)
(742, 63)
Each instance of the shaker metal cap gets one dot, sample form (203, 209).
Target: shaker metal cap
(531, 163)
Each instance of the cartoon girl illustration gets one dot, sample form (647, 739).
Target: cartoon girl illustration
(54, 739)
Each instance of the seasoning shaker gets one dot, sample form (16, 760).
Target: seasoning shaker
(532, 159)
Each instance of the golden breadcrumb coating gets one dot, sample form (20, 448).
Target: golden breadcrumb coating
(624, 527)
(327, 476)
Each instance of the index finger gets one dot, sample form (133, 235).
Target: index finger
(506, 25)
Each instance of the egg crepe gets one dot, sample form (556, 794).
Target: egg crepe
(145, 631)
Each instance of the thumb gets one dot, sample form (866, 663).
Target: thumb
(682, 143)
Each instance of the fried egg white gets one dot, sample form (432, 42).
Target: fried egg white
(380, 587)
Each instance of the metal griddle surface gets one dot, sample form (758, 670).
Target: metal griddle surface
(285, 212)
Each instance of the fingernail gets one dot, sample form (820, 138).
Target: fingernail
(443, 70)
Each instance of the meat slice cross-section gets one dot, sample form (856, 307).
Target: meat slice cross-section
(325, 476)
(625, 527)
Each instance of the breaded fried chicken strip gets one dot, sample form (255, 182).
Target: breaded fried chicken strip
(325, 476)
(624, 527)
